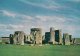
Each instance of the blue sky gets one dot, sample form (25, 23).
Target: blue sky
(25, 14)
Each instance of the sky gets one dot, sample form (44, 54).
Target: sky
(22, 15)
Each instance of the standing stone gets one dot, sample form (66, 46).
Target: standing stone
(76, 41)
(11, 38)
(36, 35)
(43, 39)
(73, 41)
(47, 37)
(19, 37)
(58, 37)
(52, 35)
(66, 39)
(28, 39)
(70, 37)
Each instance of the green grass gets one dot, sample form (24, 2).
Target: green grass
(49, 50)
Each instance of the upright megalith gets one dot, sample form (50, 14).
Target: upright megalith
(66, 39)
(28, 39)
(70, 37)
(36, 36)
(76, 41)
(52, 36)
(58, 37)
(47, 37)
(11, 38)
(18, 37)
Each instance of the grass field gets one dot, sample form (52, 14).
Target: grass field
(50, 50)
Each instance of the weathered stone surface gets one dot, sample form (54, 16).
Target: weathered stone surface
(66, 39)
(28, 39)
(11, 38)
(52, 36)
(43, 39)
(76, 41)
(58, 37)
(36, 35)
(70, 37)
(47, 37)
(73, 41)
(19, 37)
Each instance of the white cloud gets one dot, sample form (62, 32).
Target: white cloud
(52, 18)
(15, 15)
(75, 0)
(11, 27)
(15, 27)
(42, 21)
(2, 26)
(58, 22)
(49, 4)
(8, 13)
(26, 17)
